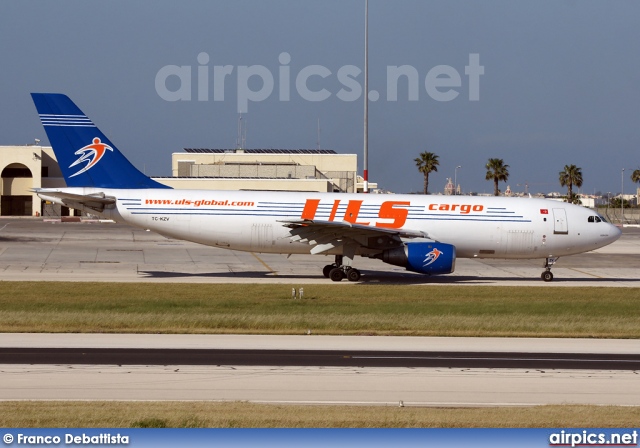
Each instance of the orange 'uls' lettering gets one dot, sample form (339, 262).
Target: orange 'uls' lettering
(334, 209)
(399, 215)
(351, 214)
(310, 209)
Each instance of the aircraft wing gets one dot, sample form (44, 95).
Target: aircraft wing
(327, 235)
(95, 201)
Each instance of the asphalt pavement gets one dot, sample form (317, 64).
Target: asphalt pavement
(34, 249)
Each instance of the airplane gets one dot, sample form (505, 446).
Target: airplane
(422, 233)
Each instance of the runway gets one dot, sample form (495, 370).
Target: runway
(318, 385)
(356, 384)
(32, 249)
(318, 358)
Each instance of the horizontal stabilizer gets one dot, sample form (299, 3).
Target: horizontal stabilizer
(94, 201)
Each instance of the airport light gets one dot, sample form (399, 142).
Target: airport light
(365, 162)
(622, 200)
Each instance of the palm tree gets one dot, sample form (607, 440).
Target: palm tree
(635, 176)
(427, 163)
(498, 171)
(572, 175)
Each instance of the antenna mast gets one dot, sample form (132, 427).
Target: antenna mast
(241, 140)
(366, 98)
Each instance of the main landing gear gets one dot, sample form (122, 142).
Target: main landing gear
(337, 271)
(547, 276)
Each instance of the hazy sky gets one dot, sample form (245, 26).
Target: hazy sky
(561, 81)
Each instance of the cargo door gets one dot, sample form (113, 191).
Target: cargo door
(520, 242)
(261, 236)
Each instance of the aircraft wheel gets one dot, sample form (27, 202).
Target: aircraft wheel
(353, 275)
(327, 269)
(336, 274)
(547, 276)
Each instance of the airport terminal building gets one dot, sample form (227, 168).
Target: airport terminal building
(31, 166)
(319, 170)
(23, 168)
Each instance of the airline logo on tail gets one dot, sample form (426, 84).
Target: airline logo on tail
(432, 256)
(90, 154)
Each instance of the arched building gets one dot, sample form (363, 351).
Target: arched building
(21, 169)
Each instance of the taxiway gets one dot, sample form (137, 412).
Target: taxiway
(37, 250)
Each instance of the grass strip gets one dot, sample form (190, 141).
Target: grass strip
(326, 309)
(114, 414)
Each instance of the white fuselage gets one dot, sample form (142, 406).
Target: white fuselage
(482, 227)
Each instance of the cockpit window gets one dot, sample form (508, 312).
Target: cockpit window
(596, 219)
(591, 219)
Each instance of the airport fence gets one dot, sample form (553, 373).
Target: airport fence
(627, 216)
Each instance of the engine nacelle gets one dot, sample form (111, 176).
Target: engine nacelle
(425, 257)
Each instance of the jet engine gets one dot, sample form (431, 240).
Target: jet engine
(422, 257)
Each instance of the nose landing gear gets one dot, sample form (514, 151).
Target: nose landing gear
(547, 276)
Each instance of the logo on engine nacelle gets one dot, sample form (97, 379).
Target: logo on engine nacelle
(431, 257)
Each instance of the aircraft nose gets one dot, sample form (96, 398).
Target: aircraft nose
(615, 232)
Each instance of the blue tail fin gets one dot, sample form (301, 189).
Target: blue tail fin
(86, 156)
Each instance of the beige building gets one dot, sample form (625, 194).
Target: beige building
(263, 169)
(33, 166)
(21, 169)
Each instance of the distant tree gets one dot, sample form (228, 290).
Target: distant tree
(570, 176)
(615, 203)
(635, 176)
(497, 171)
(427, 163)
